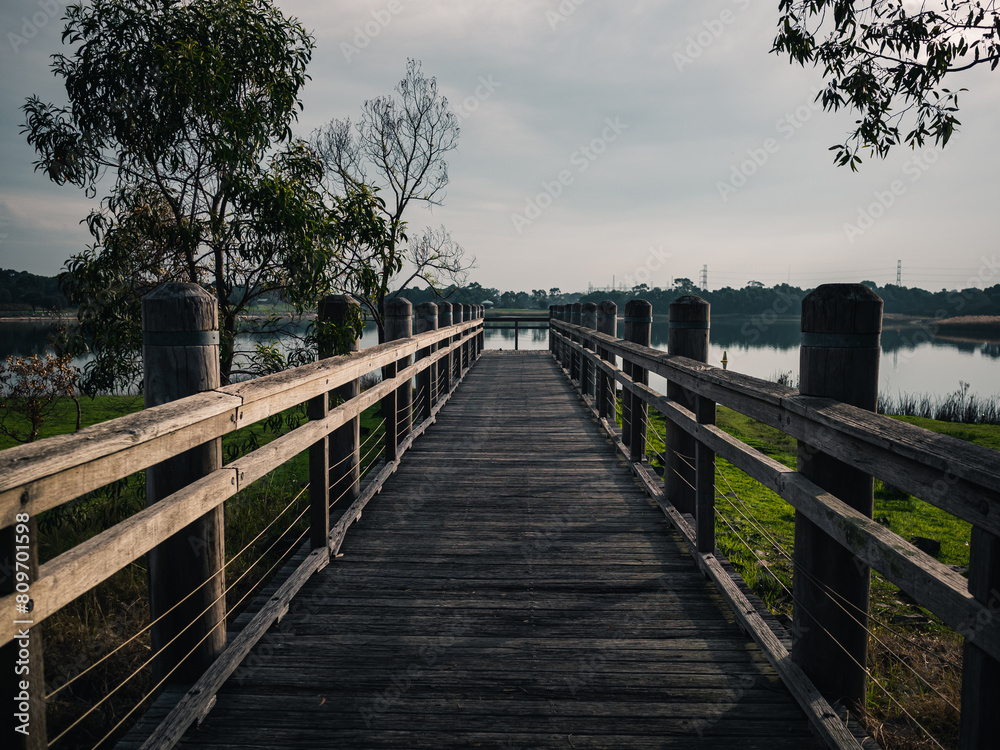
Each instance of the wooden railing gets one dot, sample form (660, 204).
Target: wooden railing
(841, 447)
(44, 475)
(492, 322)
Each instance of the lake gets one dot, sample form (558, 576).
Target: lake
(912, 361)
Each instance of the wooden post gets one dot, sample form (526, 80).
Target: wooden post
(980, 723)
(588, 319)
(180, 357)
(460, 312)
(552, 340)
(426, 320)
(473, 314)
(23, 676)
(396, 406)
(567, 354)
(575, 318)
(687, 337)
(477, 315)
(839, 358)
(626, 400)
(446, 367)
(559, 348)
(704, 480)
(481, 338)
(515, 335)
(638, 327)
(607, 323)
(345, 441)
(319, 460)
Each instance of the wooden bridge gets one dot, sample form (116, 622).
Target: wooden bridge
(520, 578)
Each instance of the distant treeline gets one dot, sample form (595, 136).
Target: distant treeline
(753, 299)
(21, 291)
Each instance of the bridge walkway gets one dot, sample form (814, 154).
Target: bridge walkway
(511, 587)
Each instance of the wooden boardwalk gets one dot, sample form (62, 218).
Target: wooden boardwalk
(511, 587)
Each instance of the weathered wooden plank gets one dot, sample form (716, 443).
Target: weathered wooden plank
(43, 475)
(50, 472)
(78, 570)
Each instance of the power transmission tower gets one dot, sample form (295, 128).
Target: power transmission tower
(704, 277)
(899, 273)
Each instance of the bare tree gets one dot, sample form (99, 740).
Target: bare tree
(397, 148)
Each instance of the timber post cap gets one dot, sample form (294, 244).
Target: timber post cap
(426, 318)
(336, 305)
(444, 314)
(607, 307)
(638, 308)
(689, 309)
(398, 307)
(842, 309)
(179, 306)
(690, 299)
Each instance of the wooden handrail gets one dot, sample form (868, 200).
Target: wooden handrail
(958, 477)
(909, 457)
(931, 583)
(44, 475)
(76, 571)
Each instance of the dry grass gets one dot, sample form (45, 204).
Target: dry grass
(931, 651)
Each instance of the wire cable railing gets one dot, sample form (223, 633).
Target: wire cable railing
(736, 503)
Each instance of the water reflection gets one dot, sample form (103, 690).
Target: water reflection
(912, 360)
(27, 337)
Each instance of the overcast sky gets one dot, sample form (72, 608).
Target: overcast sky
(667, 136)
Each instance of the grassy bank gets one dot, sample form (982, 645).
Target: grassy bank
(755, 530)
(958, 406)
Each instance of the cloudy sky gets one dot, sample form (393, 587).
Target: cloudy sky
(638, 141)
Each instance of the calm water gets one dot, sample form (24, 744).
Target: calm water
(911, 361)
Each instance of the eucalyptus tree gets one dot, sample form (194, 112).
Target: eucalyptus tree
(889, 61)
(190, 106)
(398, 147)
